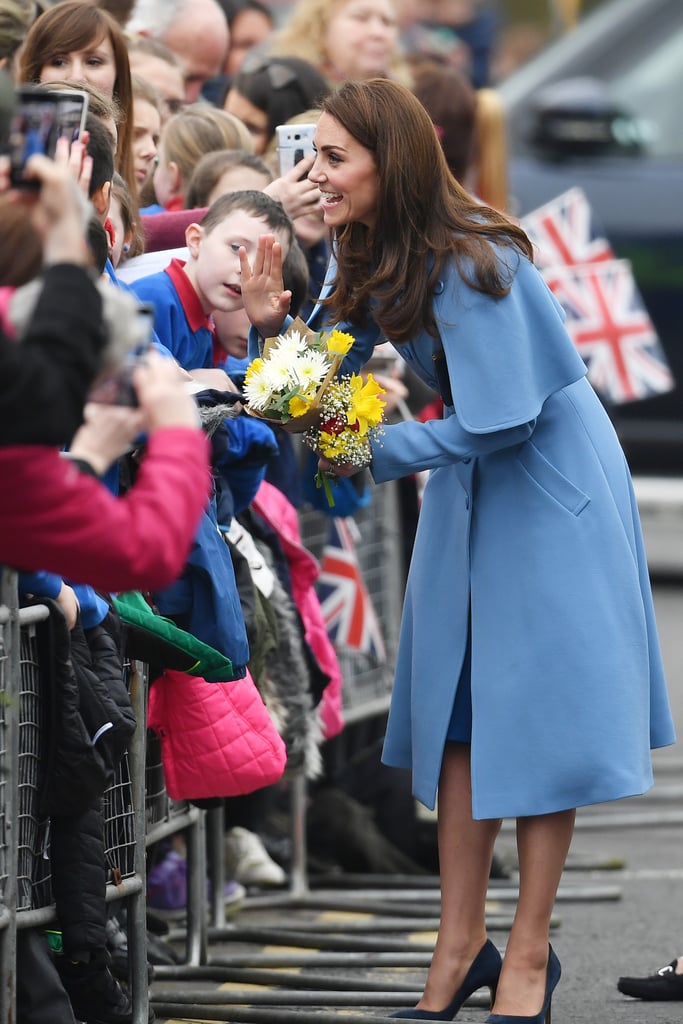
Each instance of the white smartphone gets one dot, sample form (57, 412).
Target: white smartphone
(294, 142)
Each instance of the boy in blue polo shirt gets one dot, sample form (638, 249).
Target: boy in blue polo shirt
(185, 294)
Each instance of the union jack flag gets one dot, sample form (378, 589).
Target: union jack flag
(348, 611)
(565, 232)
(611, 329)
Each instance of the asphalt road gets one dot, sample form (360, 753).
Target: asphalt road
(618, 912)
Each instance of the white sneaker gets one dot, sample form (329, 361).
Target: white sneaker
(248, 861)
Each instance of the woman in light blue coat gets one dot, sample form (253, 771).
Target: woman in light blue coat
(529, 678)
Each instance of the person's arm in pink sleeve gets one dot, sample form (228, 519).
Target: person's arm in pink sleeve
(52, 517)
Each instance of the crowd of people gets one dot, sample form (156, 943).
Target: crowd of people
(152, 256)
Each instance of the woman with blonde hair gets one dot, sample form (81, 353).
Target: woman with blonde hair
(344, 39)
(490, 158)
(76, 41)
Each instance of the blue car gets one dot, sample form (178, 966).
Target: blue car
(602, 108)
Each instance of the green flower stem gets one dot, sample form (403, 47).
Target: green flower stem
(322, 479)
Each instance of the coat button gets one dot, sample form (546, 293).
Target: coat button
(465, 461)
(438, 287)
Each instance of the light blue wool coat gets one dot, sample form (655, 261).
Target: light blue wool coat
(529, 526)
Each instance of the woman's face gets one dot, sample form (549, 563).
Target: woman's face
(256, 120)
(94, 64)
(346, 175)
(146, 131)
(361, 38)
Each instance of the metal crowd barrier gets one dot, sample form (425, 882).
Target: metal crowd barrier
(9, 660)
(367, 680)
(26, 894)
(138, 810)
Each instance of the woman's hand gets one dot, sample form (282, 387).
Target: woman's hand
(265, 299)
(60, 210)
(213, 377)
(299, 197)
(340, 468)
(106, 434)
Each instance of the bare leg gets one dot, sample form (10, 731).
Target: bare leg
(465, 854)
(542, 844)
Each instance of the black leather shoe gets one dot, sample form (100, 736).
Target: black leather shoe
(664, 985)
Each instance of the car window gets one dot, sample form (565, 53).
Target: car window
(651, 88)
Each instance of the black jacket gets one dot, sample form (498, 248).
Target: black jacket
(44, 379)
(89, 718)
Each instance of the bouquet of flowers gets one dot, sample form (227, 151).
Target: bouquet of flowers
(296, 384)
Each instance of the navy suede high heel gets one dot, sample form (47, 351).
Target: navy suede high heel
(552, 977)
(484, 970)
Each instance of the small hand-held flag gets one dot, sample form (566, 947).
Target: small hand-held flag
(346, 605)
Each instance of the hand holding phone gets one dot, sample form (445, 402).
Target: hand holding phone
(42, 117)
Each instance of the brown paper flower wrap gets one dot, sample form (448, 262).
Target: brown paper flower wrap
(295, 404)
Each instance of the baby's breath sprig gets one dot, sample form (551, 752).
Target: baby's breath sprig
(351, 412)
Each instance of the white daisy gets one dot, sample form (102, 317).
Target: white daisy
(279, 376)
(258, 391)
(310, 368)
(291, 343)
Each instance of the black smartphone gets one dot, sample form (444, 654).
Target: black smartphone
(42, 116)
(294, 142)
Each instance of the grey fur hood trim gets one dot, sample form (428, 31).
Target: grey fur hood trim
(288, 677)
(125, 326)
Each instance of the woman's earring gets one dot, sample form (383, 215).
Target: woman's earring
(125, 247)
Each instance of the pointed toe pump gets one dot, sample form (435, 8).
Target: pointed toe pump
(484, 972)
(552, 977)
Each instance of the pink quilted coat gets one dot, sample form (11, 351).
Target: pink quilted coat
(217, 739)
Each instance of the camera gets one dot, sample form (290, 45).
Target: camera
(117, 388)
(42, 116)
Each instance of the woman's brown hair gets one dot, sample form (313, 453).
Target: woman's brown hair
(424, 217)
(74, 25)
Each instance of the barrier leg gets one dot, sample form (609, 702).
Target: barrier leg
(9, 745)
